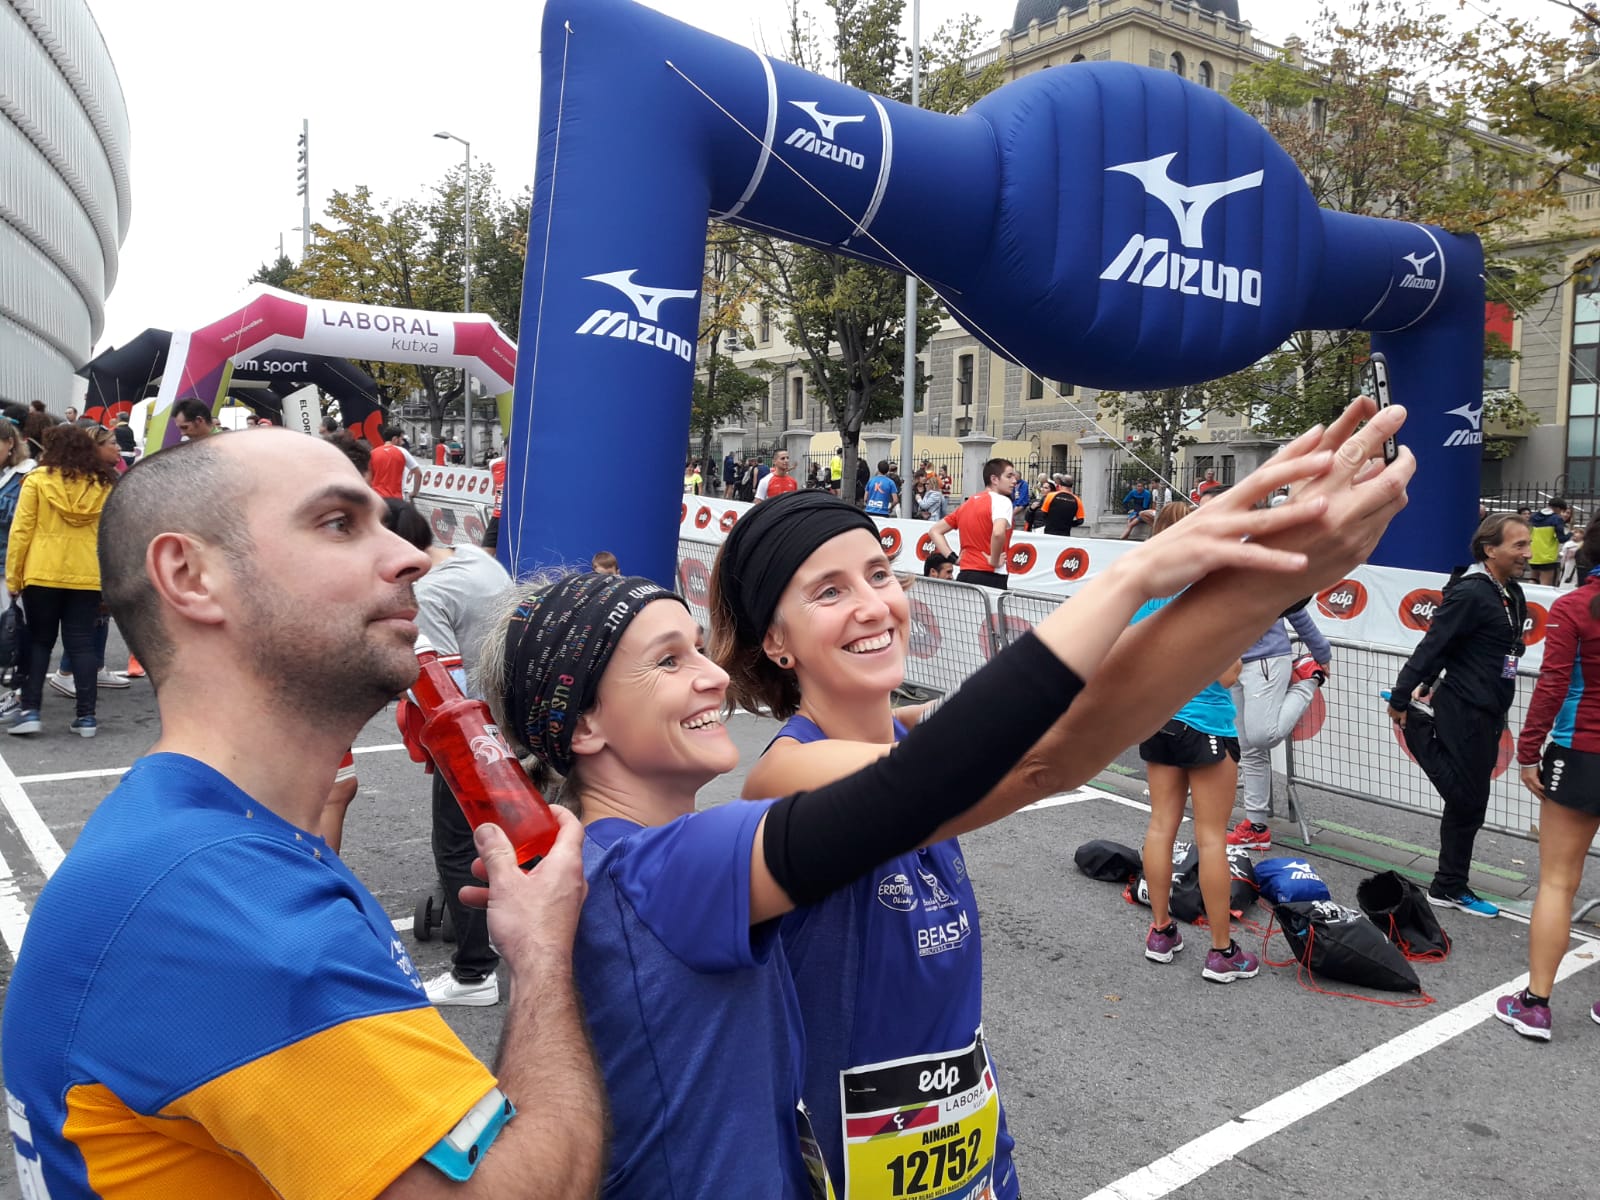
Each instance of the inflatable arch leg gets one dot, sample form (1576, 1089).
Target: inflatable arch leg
(1103, 223)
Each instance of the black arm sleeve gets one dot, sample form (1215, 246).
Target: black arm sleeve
(817, 842)
(1432, 653)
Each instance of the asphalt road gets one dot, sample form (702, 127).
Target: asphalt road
(1122, 1078)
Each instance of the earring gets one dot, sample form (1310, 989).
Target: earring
(783, 661)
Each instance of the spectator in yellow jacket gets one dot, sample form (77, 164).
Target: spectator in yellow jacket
(52, 563)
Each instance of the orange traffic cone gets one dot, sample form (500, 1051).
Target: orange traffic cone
(135, 671)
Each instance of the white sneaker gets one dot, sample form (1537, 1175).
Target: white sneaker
(107, 678)
(64, 684)
(10, 705)
(446, 989)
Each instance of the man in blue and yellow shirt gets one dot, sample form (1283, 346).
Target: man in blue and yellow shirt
(208, 1002)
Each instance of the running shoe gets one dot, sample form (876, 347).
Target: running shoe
(1530, 1020)
(10, 706)
(85, 726)
(1224, 966)
(27, 722)
(1305, 667)
(1250, 835)
(64, 684)
(107, 678)
(1466, 900)
(447, 989)
(1161, 944)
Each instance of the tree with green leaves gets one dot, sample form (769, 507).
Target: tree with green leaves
(1369, 112)
(723, 391)
(847, 318)
(1163, 420)
(277, 274)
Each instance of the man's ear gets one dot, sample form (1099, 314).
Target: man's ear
(191, 577)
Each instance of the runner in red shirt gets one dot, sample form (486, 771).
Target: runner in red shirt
(389, 465)
(779, 480)
(983, 524)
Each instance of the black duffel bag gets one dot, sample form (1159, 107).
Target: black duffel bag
(1110, 862)
(1185, 903)
(1398, 907)
(13, 633)
(1340, 943)
(1242, 886)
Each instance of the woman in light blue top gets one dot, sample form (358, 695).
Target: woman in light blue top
(1196, 754)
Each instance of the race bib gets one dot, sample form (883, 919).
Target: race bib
(924, 1126)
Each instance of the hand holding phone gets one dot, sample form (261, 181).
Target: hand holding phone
(1376, 380)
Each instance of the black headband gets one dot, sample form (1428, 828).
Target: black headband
(769, 544)
(557, 649)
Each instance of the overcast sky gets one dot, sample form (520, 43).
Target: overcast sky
(216, 92)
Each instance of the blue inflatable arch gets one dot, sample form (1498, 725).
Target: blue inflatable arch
(1104, 223)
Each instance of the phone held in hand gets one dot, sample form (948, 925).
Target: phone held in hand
(1376, 379)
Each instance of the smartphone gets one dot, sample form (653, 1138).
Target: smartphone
(1376, 379)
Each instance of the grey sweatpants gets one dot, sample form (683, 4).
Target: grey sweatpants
(1269, 706)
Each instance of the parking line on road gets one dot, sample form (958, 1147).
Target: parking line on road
(35, 833)
(1188, 1162)
(13, 910)
(107, 772)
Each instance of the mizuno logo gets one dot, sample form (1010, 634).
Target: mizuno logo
(647, 302)
(1188, 205)
(1472, 436)
(1150, 261)
(826, 125)
(1418, 263)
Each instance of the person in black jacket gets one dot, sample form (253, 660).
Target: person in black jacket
(1474, 643)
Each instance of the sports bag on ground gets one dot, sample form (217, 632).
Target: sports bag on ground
(1110, 862)
(1340, 943)
(1398, 907)
(1288, 880)
(1186, 902)
(1243, 887)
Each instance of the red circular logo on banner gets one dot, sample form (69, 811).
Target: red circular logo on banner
(729, 520)
(1072, 563)
(702, 518)
(998, 632)
(925, 639)
(473, 528)
(1021, 558)
(1344, 601)
(925, 547)
(444, 526)
(1418, 607)
(372, 428)
(1533, 627)
(683, 513)
(889, 539)
(1310, 722)
(696, 581)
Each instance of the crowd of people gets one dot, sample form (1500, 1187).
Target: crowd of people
(732, 1000)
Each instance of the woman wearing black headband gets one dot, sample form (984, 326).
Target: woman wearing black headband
(811, 624)
(686, 986)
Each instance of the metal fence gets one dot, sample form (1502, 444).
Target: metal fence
(454, 522)
(1121, 478)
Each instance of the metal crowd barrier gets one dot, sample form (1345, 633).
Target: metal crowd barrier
(1027, 609)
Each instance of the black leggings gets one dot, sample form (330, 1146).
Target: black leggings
(72, 613)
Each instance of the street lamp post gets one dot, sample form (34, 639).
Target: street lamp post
(908, 501)
(466, 290)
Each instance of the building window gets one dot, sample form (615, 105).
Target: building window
(1035, 387)
(1224, 82)
(919, 399)
(765, 334)
(1583, 392)
(1203, 75)
(964, 381)
(1175, 64)
(797, 389)
(1064, 388)
(1158, 59)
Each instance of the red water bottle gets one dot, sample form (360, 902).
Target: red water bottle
(482, 772)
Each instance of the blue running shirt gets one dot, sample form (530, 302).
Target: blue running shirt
(208, 1003)
(898, 1080)
(693, 1013)
(1212, 710)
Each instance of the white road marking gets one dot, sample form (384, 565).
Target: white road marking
(1187, 1163)
(35, 833)
(107, 772)
(13, 910)
(1056, 801)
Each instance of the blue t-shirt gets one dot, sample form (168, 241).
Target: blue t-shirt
(881, 495)
(693, 1013)
(1137, 500)
(887, 970)
(1019, 494)
(1212, 711)
(208, 1003)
